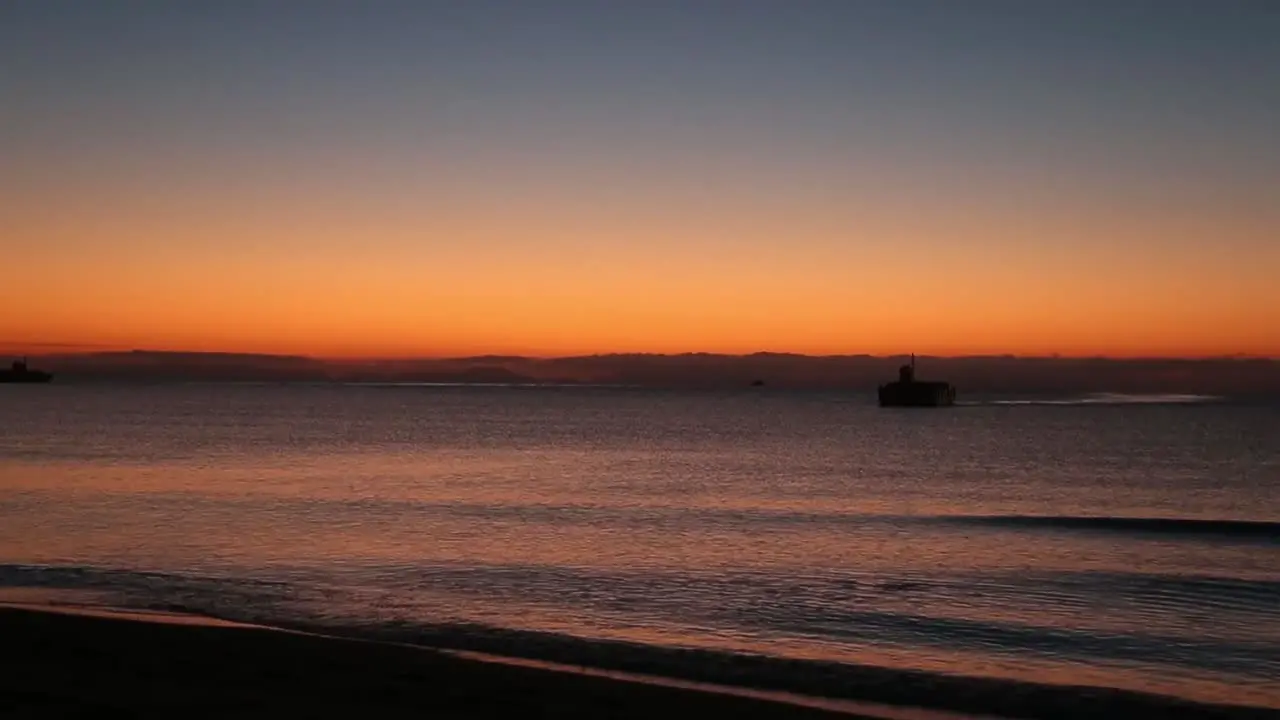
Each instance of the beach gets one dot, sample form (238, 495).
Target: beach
(60, 664)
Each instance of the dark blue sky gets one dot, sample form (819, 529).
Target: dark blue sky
(1101, 78)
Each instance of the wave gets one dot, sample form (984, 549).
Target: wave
(277, 604)
(1187, 527)
(665, 518)
(1250, 600)
(890, 686)
(1109, 399)
(1248, 531)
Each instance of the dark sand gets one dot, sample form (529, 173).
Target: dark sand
(64, 665)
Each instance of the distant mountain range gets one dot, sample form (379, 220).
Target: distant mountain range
(974, 374)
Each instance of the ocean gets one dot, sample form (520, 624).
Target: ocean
(1031, 557)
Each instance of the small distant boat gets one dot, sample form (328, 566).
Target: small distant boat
(20, 373)
(906, 391)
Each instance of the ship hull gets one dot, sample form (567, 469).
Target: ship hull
(917, 394)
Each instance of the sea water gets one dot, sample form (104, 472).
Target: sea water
(1011, 555)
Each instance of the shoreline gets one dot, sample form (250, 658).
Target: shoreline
(80, 624)
(72, 659)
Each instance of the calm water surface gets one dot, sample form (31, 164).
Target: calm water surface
(1110, 543)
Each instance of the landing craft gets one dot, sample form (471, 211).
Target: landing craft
(906, 391)
(20, 373)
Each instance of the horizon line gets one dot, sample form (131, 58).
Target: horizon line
(91, 350)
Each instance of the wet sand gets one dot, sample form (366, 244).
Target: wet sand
(103, 665)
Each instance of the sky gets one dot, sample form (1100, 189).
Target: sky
(426, 178)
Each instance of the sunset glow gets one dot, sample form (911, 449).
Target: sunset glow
(657, 179)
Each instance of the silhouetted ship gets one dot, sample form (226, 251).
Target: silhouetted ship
(909, 392)
(20, 373)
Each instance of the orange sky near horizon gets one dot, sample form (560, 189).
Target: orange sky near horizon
(853, 178)
(304, 271)
(183, 283)
(288, 265)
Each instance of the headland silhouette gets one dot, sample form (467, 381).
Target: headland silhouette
(776, 371)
